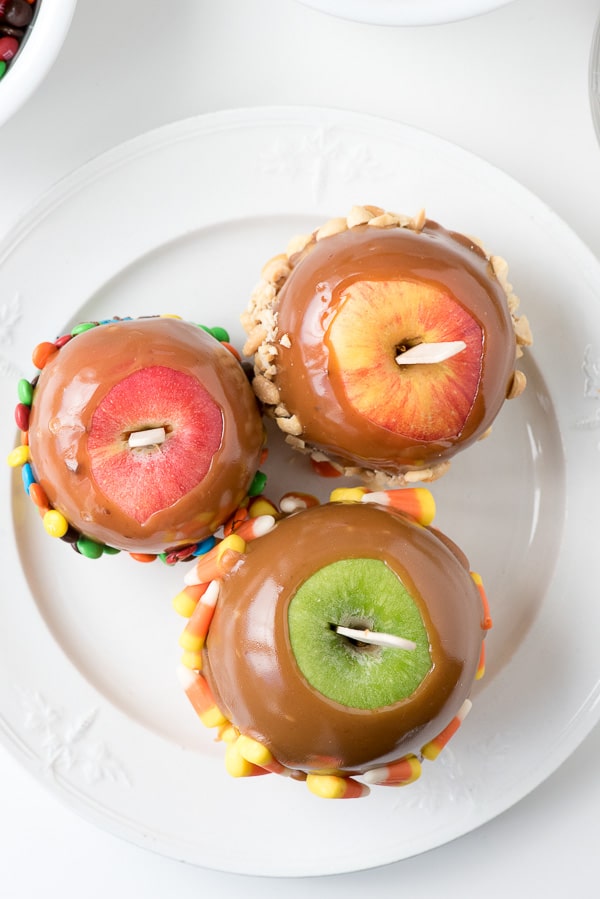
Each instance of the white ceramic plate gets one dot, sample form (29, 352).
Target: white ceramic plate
(405, 12)
(181, 220)
(594, 77)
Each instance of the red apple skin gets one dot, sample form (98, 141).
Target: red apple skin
(307, 378)
(76, 382)
(249, 663)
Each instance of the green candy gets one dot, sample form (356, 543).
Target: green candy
(218, 333)
(89, 548)
(25, 392)
(81, 327)
(258, 484)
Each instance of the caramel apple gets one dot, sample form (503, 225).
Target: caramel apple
(343, 642)
(142, 435)
(385, 344)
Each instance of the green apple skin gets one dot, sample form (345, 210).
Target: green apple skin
(253, 673)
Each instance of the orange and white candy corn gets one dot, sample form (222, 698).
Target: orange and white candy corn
(200, 695)
(347, 494)
(397, 774)
(481, 664)
(259, 754)
(218, 561)
(255, 527)
(432, 749)
(486, 623)
(417, 502)
(260, 505)
(238, 766)
(194, 634)
(295, 502)
(187, 599)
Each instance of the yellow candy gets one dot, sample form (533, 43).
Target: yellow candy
(228, 733)
(169, 315)
(213, 717)
(19, 456)
(261, 506)
(184, 604)
(234, 541)
(235, 763)
(327, 786)
(347, 494)
(331, 786)
(192, 660)
(192, 643)
(55, 523)
(253, 751)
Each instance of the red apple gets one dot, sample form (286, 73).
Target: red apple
(99, 401)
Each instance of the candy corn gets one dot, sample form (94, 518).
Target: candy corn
(187, 599)
(487, 618)
(259, 754)
(194, 634)
(347, 494)
(401, 773)
(418, 502)
(432, 749)
(238, 766)
(200, 695)
(295, 502)
(481, 664)
(218, 561)
(333, 786)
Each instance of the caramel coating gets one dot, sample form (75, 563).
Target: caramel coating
(305, 376)
(74, 383)
(252, 672)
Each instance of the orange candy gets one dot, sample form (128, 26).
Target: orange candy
(42, 353)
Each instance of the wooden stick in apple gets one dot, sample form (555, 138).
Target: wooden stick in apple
(375, 637)
(428, 353)
(147, 437)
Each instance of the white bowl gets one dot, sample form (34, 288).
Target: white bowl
(37, 53)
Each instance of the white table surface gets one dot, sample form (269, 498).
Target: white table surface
(510, 86)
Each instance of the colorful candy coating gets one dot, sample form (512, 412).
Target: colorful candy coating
(25, 391)
(89, 548)
(42, 353)
(22, 415)
(55, 524)
(18, 456)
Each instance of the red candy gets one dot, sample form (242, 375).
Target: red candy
(8, 48)
(22, 416)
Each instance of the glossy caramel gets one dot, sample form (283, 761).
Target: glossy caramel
(251, 669)
(75, 381)
(308, 300)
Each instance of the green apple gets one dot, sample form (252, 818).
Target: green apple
(361, 594)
